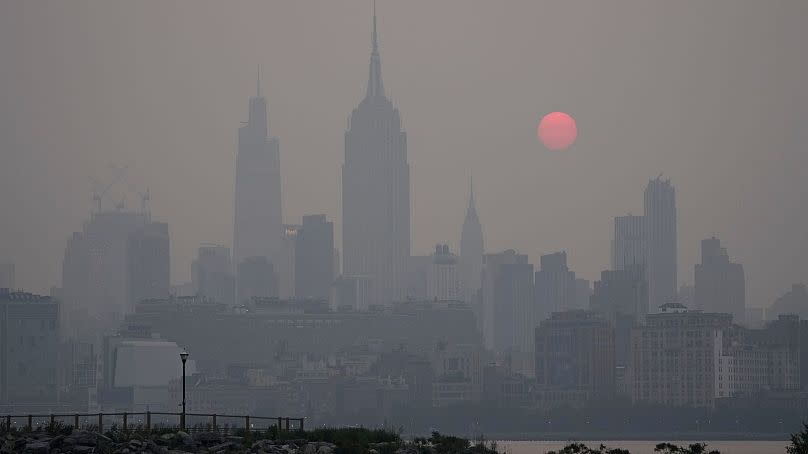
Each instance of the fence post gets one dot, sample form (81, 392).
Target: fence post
(51, 421)
(301, 423)
(30, 423)
(124, 421)
(100, 423)
(148, 421)
(247, 424)
(279, 425)
(214, 421)
(287, 424)
(76, 421)
(8, 422)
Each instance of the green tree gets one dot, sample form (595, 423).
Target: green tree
(580, 448)
(695, 448)
(799, 442)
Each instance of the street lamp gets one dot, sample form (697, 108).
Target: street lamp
(184, 358)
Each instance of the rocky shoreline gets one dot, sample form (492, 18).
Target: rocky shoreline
(86, 442)
(69, 441)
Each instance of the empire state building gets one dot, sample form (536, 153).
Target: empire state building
(376, 191)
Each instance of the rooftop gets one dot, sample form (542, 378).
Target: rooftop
(8, 295)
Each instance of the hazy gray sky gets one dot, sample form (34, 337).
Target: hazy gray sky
(712, 93)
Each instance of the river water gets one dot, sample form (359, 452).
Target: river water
(646, 447)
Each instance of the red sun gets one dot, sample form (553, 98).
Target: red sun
(557, 131)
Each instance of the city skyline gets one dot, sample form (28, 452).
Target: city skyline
(546, 221)
(583, 231)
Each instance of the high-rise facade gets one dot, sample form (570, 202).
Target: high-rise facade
(29, 348)
(471, 252)
(621, 297)
(117, 258)
(256, 278)
(628, 244)
(793, 302)
(149, 263)
(285, 263)
(508, 310)
(417, 272)
(555, 287)
(720, 284)
(257, 227)
(314, 258)
(442, 281)
(669, 367)
(213, 274)
(575, 352)
(376, 191)
(660, 241)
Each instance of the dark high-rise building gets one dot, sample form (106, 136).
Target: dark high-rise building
(257, 227)
(376, 191)
(575, 352)
(583, 291)
(621, 297)
(628, 244)
(314, 258)
(256, 278)
(117, 258)
(555, 287)
(660, 241)
(213, 274)
(442, 282)
(508, 304)
(149, 263)
(417, 273)
(285, 264)
(471, 253)
(793, 302)
(720, 284)
(29, 348)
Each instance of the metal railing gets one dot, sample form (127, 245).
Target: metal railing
(150, 420)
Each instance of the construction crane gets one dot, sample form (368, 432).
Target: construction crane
(118, 175)
(144, 199)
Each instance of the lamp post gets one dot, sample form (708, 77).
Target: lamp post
(183, 357)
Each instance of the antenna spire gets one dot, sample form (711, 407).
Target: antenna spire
(375, 35)
(472, 206)
(375, 86)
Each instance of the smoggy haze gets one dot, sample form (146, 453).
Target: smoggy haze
(710, 93)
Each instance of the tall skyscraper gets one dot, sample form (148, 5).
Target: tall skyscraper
(376, 191)
(256, 279)
(149, 263)
(720, 284)
(314, 258)
(793, 302)
(442, 282)
(257, 227)
(417, 271)
(471, 252)
(213, 274)
(660, 241)
(621, 297)
(285, 263)
(628, 244)
(575, 352)
(507, 298)
(117, 258)
(555, 286)
(29, 348)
